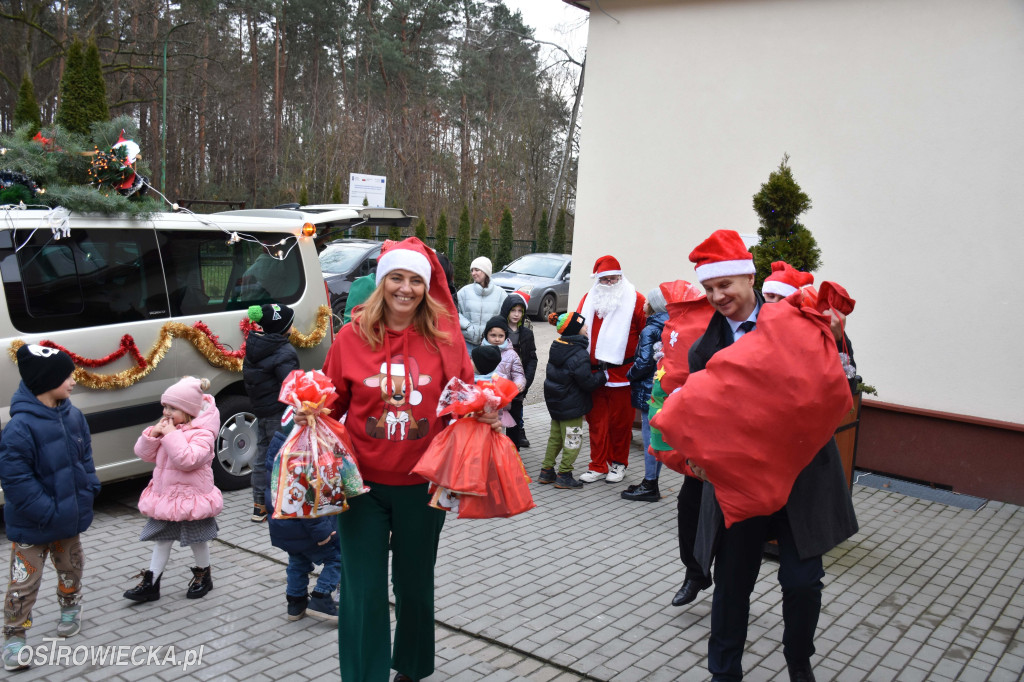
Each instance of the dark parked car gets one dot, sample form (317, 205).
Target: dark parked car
(543, 276)
(342, 262)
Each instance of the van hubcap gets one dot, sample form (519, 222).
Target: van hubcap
(236, 445)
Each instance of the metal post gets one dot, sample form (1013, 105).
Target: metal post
(163, 117)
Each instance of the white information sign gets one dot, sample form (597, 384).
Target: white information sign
(369, 187)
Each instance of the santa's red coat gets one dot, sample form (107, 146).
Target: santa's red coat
(617, 373)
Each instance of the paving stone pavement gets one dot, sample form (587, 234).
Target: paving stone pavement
(575, 589)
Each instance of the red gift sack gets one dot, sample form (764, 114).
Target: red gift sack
(468, 457)
(762, 408)
(508, 485)
(688, 315)
(457, 458)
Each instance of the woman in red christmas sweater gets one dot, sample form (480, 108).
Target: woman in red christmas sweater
(389, 367)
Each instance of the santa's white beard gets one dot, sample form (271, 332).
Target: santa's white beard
(608, 297)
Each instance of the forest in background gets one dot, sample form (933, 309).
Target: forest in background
(275, 101)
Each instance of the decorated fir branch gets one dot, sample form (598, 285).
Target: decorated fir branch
(99, 173)
(199, 335)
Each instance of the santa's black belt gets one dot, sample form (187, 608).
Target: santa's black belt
(625, 361)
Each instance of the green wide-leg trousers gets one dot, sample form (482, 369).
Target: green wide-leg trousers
(395, 518)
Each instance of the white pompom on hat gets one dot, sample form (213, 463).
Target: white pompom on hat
(606, 266)
(785, 279)
(723, 254)
(483, 264)
(404, 255)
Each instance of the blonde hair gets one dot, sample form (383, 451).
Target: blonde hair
(369, 320)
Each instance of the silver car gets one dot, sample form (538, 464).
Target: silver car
(543, 276)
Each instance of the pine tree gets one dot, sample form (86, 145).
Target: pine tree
(485, 244)
(462, 259)
(26, 111)
(421, 230)
(336, 193)
(542, 232)
(83, 94)
(363, 231)
(93, 72)
(778, 205)
(441, 235)
(303, 196)
(558, 238)
(395, 233)
(505, 237)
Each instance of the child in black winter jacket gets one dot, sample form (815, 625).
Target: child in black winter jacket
(269, 358)
(567, 388)
(513, 310)
(308, 542)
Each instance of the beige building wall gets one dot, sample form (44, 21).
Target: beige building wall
(904, 122)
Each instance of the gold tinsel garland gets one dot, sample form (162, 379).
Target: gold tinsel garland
(202, 343)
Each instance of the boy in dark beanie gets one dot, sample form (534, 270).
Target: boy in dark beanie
(567, 387)
(49, 483)
(269, 358)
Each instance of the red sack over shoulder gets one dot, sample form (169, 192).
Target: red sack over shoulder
(688, 315)
(762, 408)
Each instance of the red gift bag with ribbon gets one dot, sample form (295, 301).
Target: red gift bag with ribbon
(316, 471)
(764, 406)
(472, 462)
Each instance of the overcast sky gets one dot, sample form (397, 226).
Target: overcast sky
(555, 21)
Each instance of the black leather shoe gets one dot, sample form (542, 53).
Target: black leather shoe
(800, 672)
(399, 677)
(524, 443)
(689, 591)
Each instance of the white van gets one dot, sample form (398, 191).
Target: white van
(106, 285)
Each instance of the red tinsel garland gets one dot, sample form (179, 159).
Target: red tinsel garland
(128, 346)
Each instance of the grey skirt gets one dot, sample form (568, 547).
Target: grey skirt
(185, 532)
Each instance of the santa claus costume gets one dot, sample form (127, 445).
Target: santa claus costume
(615, 310)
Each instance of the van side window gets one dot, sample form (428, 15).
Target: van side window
(206, 274)
(93, 277)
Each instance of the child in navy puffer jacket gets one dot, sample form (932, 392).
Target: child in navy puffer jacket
(269, 358)
(49, 483)
(308, 542)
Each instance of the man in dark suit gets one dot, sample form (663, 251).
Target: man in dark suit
(818, 515)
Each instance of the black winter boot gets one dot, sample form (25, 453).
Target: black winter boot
(200, 584)
(147, 589)
(546, 476)
(647, 491)
(297, 606)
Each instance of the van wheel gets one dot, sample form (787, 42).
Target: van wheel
(338, 311)
(236, 443)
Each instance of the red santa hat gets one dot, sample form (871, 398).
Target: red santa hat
(523, 295)
(404, 255)
(605, 266)
(723, 254)
(785, 279)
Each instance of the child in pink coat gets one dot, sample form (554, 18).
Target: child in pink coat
(181, 501)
